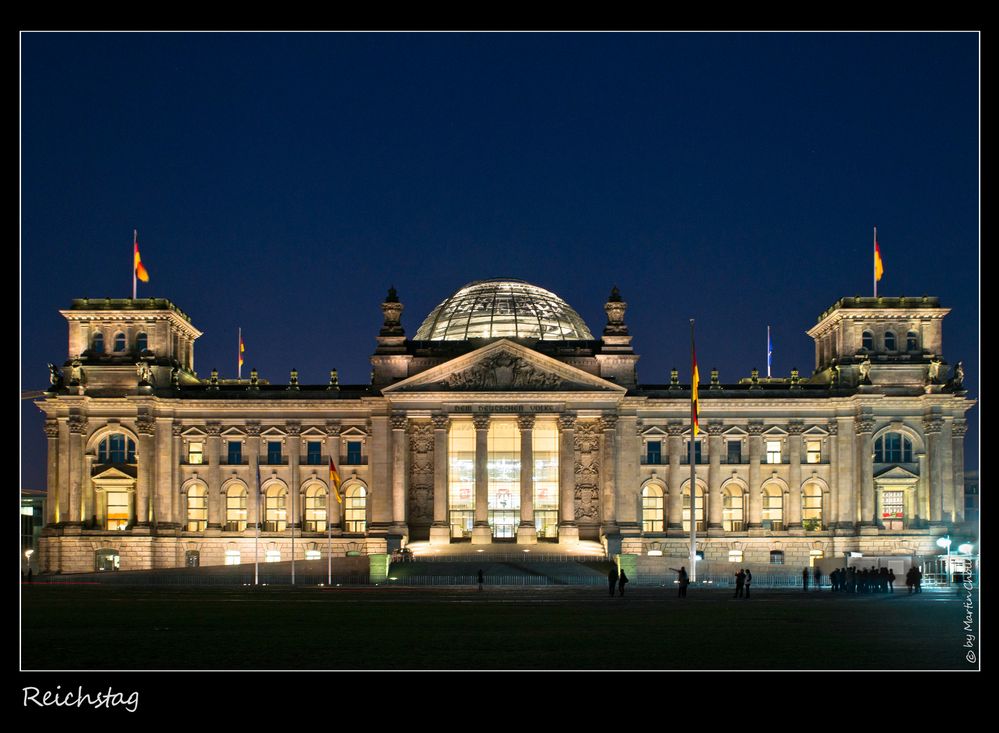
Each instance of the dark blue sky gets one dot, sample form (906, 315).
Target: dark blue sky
(281, 182)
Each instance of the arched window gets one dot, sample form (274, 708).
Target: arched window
(773, 508)
(868, 341)
(98, 343)
(119, 342)
(197, 509)
(652, 509)
(116, 448)
(892, 448)
(235, 508)
(141, 342)
(698, 508)
(275, 513)
(355, 510)
(315, 508)
(732, 507)
(912, 341)
(889, 341)
(811, 508)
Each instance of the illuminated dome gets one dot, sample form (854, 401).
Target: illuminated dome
(503, 308)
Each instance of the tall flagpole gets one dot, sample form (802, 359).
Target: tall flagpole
(135, 246)
(768, 351)
(256, 534)
(693, 468)
(875, 258)
(294, 516)
(329, 535)
(239, 355)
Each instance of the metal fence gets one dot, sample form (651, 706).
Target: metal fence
(517, 557)
(505, 580)
(151, 579)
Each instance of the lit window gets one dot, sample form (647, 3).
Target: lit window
(118, 510)
(353, 452)
(274, 452)
(98, 343)
(732, 517)
(355, 510)
(197, 509)
(235, 456)
(773, 451)
(107, 561)
(893, 448)
(734, 451)
(315, 508)
(814, 555)
(889, 341)
(141, 342)
(654, 452)
(192, 558)
(735, 555)
(503, 473)
(868, 341)
(119, 342)
(811, 508)
(652, 509)
(232, 557)
(893, 509)
(314, 453)
(773, 508)
(813, 451)
(776, 557)
(116, 448)
(461, 476)
(699, 510)
(546, 454)
(195, 453)
(273, 556)
(912, 341)
(235, 509)
(275, 513)
(313, 555)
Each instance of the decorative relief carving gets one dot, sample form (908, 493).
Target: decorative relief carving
(398, 420)
(503, 371)
(293, 428)
(51, 429)
(932, 424)
(566, 421)
(960, 428)
(177, 429)
(674, 429)
(77, 424)
(586, 495)
(865, 424)
(795, 428)
(525, 422)
(144, 424)
(755, 428)
(252, 429)
(421, 471)
(609, 422)
(715, 428)
(833, 427)
(333, 428)
(213, 428)
(587, 437)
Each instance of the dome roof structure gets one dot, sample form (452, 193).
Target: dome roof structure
(503, 308)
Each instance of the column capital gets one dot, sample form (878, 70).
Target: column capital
(932, 424)
(566, 421)
(252, 429)
(609, 422)
(51, 429)
(213, 429)
(77, 424)
(398, 420)
(293, 429)
(481, 422)
(755, 428)
(865, 424)
(440, 421)
(714, 428)
(795, 427)
(333, 428)
(959, 427)
(144, 424)
(177, 429)
(525, 422)
(674, 429)
(833, 426)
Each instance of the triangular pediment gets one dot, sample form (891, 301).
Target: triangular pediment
(504, 366)
(896, 473)
(114, 473)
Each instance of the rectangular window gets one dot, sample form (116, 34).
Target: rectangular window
(686, 452)
(461, 476)
(735, 555)
(776, 557)
(117, 514)
(313, 555)
(545, 444)
(235, 457)
(654, 452)
(814, 451)
(274, 452)
(773, 451)
(232, 557)
(353, 452)
(273, 556)
(314, 453)
(734, 451)
(195, 453)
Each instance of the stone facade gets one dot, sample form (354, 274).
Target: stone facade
(154, 466)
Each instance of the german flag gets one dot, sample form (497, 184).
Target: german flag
(335, 481)
(694, 407)
(879, 267)
(140, 270)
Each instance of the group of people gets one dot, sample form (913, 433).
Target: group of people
(743, 581)
(863, 580)
(616, 579)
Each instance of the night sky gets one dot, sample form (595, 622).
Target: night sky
(282, 182)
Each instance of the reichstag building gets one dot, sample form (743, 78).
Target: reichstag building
(502, 420)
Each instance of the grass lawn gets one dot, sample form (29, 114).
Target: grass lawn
(109, 627)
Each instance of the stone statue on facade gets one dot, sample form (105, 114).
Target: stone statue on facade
(76, 372)
(144, 373)
(55, 376)
(175, 377)
(865, 370)
(933, 373)
(957, 381)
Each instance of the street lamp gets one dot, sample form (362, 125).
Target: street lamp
(966, 549)
(945, 542)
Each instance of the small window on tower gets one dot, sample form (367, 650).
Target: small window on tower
(119, 343)
(195, 453)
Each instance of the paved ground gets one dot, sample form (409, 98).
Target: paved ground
(104, 627)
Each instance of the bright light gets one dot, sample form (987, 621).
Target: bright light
(966, 549)
(526, 550)
(480, 550)
(655, 553)
(943, 542)
(856, 554)
(29, 553)
(391, 578)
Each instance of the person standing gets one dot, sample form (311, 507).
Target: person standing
(740, 582)
(612, 578)
(891, 580)
(818, 578)
(482, 579)
(749, 581)
(804, 579)
(621, 580)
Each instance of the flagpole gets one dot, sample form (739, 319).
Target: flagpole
(768, 351)
(294, 516)
(875, 261)
(239, 355)
(256, 534)
(693, 470)
(135, 246)
(329, 536)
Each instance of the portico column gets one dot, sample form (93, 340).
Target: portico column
(865, 448)
(146, 467)
(52, 473)
(400, 446)
(755, 495)
(333, 451)
(180, 517)
(252, 490)
(713, 511)
(958, 431)
(77, 431)
(932, 426)
(674, 513)
(568, 532)
(163, 487)
(214, 444)
(294, 458)
(845, 473)
(794, 473)
(481, 532)
(440, 530)
(608, 468)
(87, 509)
(527, 533)
(947, 471)
(832, 517)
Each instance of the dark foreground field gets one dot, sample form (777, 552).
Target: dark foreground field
(101, 627)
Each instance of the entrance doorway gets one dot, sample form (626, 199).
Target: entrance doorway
(546, 523)
(503, 523)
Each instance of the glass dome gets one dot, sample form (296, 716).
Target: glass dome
(503, 308)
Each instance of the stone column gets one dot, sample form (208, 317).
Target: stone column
(831, 513)
(214, 447)
(794, 430)
(568, 532)
(333, 451)
(77, 432)
(294, 431)
(52, 472)
(949, 513)
(88, 509)
(958, 431)
(146, 471)
(253, 499)
(713, 510)
(865, 450)
(922, 513)
(845, 473)
(674, 508)
(61, 508)
(481, 532)
(527, 532)
(608, 463)
(400, 476)
(163, 488)
(755, 487)
(440, 530)
(179, 515)
(932, 427)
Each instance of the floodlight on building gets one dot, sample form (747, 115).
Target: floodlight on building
(943, 542)
(966, 549)
(856, 554)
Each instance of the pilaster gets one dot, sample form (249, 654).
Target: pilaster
(568, 532)
(440, 530)
(674, 508)
(794, 430)
(755, 430)
(713, 510)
